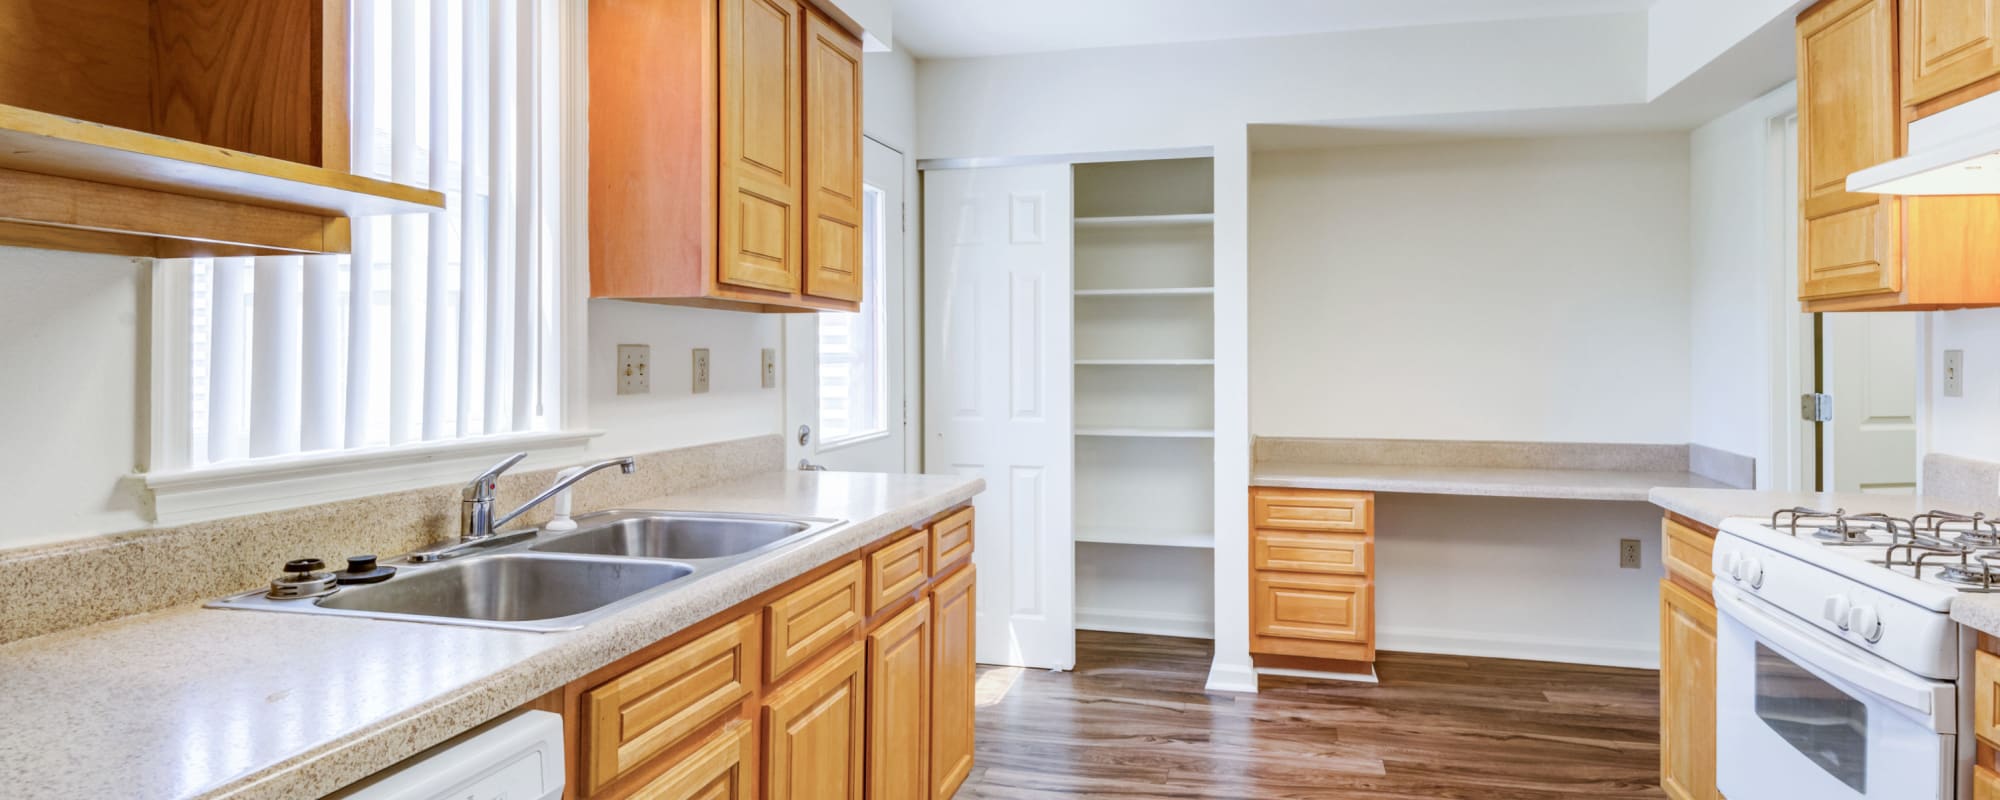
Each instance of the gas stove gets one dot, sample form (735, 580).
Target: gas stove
(1938, 550)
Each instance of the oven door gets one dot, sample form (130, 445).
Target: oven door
(1800, 713)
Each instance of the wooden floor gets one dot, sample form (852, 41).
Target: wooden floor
(1133, 722)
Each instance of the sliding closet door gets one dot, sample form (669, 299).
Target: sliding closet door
(997, 351)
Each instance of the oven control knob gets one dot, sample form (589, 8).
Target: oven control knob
(1864, 622)
(1836, 609)
(1750, 571)
(1727, 561)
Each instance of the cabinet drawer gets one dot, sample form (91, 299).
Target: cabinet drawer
(897, 570)
(1325, 608)
(1688, 554)
(951, 541)
(1331, 554)
(1846, 255)
(1312, 511)
(651, 709)
(813, 618)
(1986, 697)
(721, 769)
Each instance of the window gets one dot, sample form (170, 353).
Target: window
(853, 352)
(438, 327)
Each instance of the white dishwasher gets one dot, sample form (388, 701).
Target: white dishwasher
(518, 757)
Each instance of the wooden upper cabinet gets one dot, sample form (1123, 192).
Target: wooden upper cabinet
(1948, 45)
(1848, 117)
(725, 140)
(833, 161)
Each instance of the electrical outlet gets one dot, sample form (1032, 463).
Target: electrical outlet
(1954, 373)
(701, 370)
(1628, 553)
(635, 369)
(770, 368)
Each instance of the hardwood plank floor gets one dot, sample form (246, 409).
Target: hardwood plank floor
(1134, 722)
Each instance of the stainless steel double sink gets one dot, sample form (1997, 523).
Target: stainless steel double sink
(559, 580)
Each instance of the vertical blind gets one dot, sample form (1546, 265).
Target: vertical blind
(438, 326)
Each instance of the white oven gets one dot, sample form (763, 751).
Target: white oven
(1803, 713)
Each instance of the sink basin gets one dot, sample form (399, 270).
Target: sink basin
(508, 588)
(675, 536)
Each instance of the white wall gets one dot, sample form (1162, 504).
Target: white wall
(1968, 425)
(1526, 290)
(1740, 286)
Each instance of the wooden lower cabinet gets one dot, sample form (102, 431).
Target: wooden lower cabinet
(953, 681)
(815, 731)
(1687, 694)
(1312, 575)
(797, 694)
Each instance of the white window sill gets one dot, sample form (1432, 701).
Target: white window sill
(188, 495)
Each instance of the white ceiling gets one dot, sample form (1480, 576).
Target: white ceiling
(966, 28)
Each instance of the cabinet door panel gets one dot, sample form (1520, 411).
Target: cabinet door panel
(953, 677)
(1848, 114)
(899, 705)
(722, 769)
(760, 145)
(1847, 254)
(1948, 44)
(1687, 694)
(833, 161)
(814, 732)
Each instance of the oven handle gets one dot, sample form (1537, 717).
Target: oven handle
(1931, 699)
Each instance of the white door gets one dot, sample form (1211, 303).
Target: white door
(997, 393)
(1870, 363)
(845, 406)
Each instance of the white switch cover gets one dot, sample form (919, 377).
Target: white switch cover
(701, 370)
(770, 368)
(635, 369)
(1954, 373)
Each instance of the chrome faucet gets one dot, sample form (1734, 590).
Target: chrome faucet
(476, 523)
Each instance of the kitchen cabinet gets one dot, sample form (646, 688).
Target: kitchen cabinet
(797, 693)
(815, 734)
(1860, 84)
(725, 147)
(1948, 45)
(1312, 574)
(1687, 664)
(170, 128)
(954, 681)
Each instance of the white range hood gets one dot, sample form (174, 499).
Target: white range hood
(1952, 152)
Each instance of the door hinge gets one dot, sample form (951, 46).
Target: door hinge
(1816, 407)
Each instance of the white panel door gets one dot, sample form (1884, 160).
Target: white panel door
(997, 381)
(1871, 369)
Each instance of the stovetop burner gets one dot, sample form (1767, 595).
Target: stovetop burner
(1980, 574)
(1839, 536)
(1959, 550)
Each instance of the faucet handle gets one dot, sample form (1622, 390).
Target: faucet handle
(481, 488)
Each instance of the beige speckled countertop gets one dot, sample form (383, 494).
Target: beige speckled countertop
(199, 702)
(1557, 484)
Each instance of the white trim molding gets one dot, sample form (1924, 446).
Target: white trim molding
(248, 487)
(1480, 644)
(1185, 626)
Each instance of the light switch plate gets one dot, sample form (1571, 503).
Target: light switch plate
(701, 370)
(635, 370)
(1954, 373)
(770, 368)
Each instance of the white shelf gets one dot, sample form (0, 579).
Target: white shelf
(1147, 537)
(1148, 433)
(1190, 291)
(1149, 220)
(1145, 362)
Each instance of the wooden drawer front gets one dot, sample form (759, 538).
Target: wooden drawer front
(809, 620)
(1311, 511)
(1986, 697)
(897, 570)
(951, 541)
(651, 709)
(1345, 554)
(1845, 255)
(724, 768)
(1688, 554)
(1326, 608)
(815, 734)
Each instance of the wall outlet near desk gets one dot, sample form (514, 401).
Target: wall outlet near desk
(1628, 553)
(635, 371)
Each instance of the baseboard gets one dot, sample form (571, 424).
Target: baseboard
(1119, 620)
(1239, 678)
(1321, 675)
(1444, 641)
